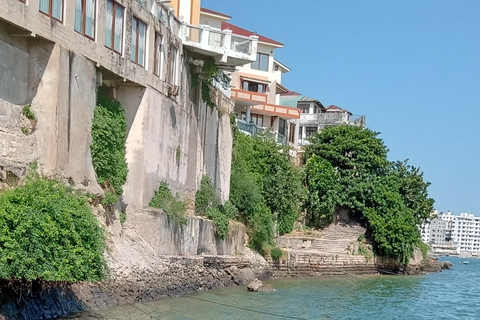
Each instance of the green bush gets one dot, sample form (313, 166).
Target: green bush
(109, 128)
(261, 234)
(276, 253)
(48, 232)
(164, 200)
(205, 197)
(220, 220)
(424, 248)
(27, 112)
(229, 210)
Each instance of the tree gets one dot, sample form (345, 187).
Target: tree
(391, 196)
(322, 182)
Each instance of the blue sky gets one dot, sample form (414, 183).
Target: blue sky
(412, 67)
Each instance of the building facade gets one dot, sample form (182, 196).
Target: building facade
(256, 86)
(56, 56)
(314, 116)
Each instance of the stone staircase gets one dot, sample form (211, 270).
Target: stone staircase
(336, 238)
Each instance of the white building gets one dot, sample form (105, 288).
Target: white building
(466, 233)
(256, 86)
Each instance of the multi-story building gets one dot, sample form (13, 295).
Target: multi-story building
(314, 116)
(466, 233)
(256, 86)
(56, 56)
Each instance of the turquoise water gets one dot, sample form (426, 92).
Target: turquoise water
(453, 294)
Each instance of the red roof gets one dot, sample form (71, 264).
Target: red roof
(242, 32)
(291, 93)
(333, 108)
(205, 10)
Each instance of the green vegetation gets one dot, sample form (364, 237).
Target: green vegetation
(164, 200)
(205, 197)
(123, 217)
(276, 253)
(221, 221)
(265, 187)
(28, 113)
(48, 233)
(25, 131)
(108, 147)
(209, 76)
(391, 196)
(424, 248)
(207, 203)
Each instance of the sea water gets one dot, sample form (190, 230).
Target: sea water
(451, 294)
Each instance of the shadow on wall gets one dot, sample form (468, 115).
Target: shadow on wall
(36, 302)
(23, 63)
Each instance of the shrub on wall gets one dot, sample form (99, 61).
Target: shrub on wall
(109, 128)
(205, 197)
(164, 200)
(48, 232)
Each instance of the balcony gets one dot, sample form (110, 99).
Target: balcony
(253, 130)
(247, 98)
(331, 119)
(225, 48)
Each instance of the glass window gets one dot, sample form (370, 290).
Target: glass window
(172, 62)
(158, 54)
(253, 86)
(52, 8)
(304, 108)
(137, 49)
(114, 26)
(85, 17)
(261, 63)
(310, 130)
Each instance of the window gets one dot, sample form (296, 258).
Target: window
(305, 108)
(172, 64)
(291, 133)
(158, 57)
(282, 127)
(261, 63)
(85, 17)
(310, 130)
(52, 8)
(254, 118)
(137, 49)
(114, 26)
(254, 86)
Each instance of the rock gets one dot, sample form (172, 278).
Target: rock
(446, 265)
(255, 285)
(258, 286)
(244, 277)
(266, 288)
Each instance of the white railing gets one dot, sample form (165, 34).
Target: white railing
(220, 41)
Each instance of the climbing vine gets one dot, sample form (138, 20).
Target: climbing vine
(209, 76)
(109, 128)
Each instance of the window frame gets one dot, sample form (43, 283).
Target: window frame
(112, 35)
(84, 19)
(309, 133)
(263, 85)
(256, 64)
(172, 64)
(254, 118)
(50, 8)
(158, 55)
(138, 22)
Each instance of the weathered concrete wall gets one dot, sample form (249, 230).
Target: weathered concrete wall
(197, 237)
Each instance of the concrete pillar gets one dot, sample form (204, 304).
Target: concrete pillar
(304, 134)
(205, 36)
(253, 45)
(226, 44)
(248, 115)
